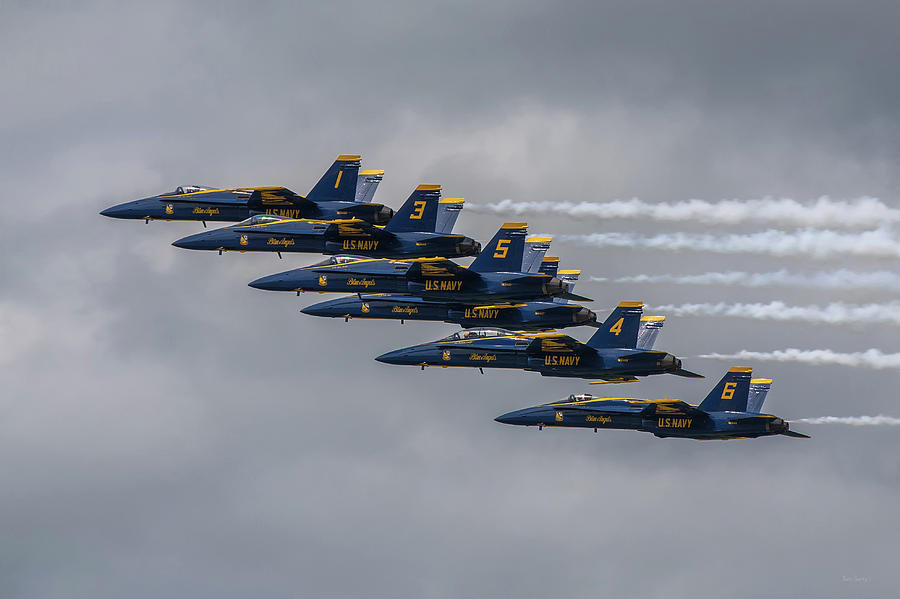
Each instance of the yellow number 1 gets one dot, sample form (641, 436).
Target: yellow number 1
(617, 328)
(728, 392)
(502, 248)
(418, 211)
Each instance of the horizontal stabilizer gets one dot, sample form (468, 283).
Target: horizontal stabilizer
(574, 297)
(688, 374)
(795, 434)
(614, 381)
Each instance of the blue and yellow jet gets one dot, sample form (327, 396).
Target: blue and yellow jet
(548, 313)
(612, 354)
(343, 192)
(730, 411)
(494, 276)
(413, 232)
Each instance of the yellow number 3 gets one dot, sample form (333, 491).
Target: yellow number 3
(502, 248)
(728, 392)
(617, 328)
(418, 211)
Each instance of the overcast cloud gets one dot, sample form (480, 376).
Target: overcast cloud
(168, 431)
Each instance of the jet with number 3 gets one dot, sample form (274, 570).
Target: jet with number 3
(412, 232)
(730, 411)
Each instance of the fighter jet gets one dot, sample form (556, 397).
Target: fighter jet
(730, 411)
(611, 354)
(412, 232)
(494, 276)
(549, 313)
(342, 192)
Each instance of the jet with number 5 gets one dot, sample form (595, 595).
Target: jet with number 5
(412, 232)
(494, 277)
(612, 354)
(540, 314)
(730, 411)
(342, 192)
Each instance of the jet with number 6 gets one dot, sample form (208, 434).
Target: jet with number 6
(613, 354)
(730, 411)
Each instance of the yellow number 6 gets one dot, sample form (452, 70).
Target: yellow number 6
(728, 392)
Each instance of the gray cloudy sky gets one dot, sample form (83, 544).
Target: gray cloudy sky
(168, 431)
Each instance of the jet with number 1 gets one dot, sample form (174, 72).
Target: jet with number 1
(730, 411)
(342, 192)
(615, 353)
(412, 233)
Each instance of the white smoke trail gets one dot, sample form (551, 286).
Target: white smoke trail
(833, 313)
(836, 279)
(813, 243)
(871, 358)
(864, 212)
(880, 420)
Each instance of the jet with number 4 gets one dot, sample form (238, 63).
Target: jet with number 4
(494, 277)
(412, 232)
(542, 314)
(730, 411)
(613, 354)
(343, 192)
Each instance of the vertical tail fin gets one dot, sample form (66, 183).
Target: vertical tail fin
(533, 256)
(549, 266)
(621, 328)
(731, 393)
(567, 276)
(418, 213)
(649, 331)
(339, 181)
(448, 212)
(366, 184)
(505, 250)
(758, 390)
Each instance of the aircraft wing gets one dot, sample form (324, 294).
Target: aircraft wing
(442, 268)
(557, 343)
(275, 196)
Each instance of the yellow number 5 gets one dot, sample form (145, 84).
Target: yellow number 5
(502, 248)
(728, 392)
(418, 211)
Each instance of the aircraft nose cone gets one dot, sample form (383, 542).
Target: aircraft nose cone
(329, 308)
(283, 281)
(209, 240)
(399, 356)
(516, 417)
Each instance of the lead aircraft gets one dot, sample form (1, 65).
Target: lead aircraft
(730, 411)
(412, 232)
(343, 192)
(614, 354)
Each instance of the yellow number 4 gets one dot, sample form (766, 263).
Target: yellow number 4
(728, 392)
(418, 211)
(617, 328)
(502, 248)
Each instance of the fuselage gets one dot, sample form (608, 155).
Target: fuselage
(233, 205)
(536, 353)
(534, 315)
(320, 236)
(663, 418)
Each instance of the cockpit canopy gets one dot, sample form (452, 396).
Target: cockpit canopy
(338, 259)
(183, 189)
(476, 334)
(261, 219)
(581, 397)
